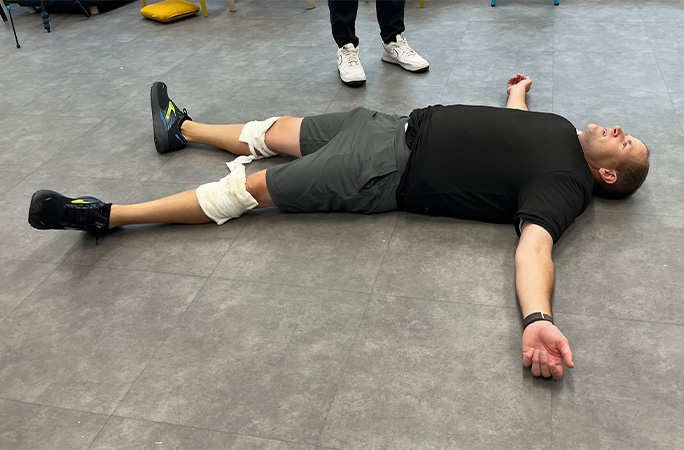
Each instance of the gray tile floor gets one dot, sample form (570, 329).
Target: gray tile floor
(340, 331)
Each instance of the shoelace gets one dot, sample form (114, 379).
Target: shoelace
(83, 216)
(404, 48)
(178, 117)
(352, 56)
(97, 235)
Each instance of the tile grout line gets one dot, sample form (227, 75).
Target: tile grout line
(373, 292)
(654, 322)
(516, 307)
(670, 216)
(669, 92)
(100, 431)
(213, 430)
(26, 175)
(384, 256)
(109, 416)
(343, 370)
(63, 408)
(457, 51)
(222, 257)
(660, 70)
(171, 330)
(327, 109)
(68, 144)
(351, 347)
(127, 269)
(66, 409)
(57, 266)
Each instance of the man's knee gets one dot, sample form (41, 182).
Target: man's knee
(227, 198)
(257, 188)
(283, 136)
(254, 135)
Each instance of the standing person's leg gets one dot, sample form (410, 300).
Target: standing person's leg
(343, 23)
(390, 18)
(395, 48)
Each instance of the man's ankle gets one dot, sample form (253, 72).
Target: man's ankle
(111, 223)
(185, 129)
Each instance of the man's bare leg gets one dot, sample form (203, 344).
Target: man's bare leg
(282, 137)
(222, 200)
(181, 208)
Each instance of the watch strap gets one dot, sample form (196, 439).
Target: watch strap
(535, 317)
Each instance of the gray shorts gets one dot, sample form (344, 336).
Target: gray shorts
(350, 162)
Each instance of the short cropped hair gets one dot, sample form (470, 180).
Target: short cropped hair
(630, 177)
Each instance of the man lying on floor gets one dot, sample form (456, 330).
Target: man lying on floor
(503, 165)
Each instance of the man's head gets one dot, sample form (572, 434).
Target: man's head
(618, 161)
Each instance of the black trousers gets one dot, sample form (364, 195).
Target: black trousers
(343, 20)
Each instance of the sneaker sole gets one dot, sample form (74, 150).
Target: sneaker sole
(161, 140)
(355, 83)
(35, 208)
(350, 82)
(395, 62)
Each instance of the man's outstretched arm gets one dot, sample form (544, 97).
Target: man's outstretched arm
(517, 89)
(544, 348)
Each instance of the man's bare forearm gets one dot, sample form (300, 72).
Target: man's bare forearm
(544, 348)
(517, 99)
(534, 280)
(534, 271)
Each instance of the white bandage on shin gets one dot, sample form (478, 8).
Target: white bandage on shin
(227, 198)
(254, 135)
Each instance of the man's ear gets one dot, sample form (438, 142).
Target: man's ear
(609, 176)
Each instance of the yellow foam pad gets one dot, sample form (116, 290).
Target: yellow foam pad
(170, 10)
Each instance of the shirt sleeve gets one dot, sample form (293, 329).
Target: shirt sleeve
(552, 202)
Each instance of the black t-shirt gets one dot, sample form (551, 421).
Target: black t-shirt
(495, 165)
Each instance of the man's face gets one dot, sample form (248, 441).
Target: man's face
(607, 147)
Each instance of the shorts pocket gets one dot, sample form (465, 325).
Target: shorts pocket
(373, 148)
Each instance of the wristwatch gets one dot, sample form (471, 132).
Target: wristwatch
(535, 317)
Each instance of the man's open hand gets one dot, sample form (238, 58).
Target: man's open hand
(519, 81)
(546, 350)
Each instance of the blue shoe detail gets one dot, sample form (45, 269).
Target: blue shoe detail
(179, 138)
(166, 127)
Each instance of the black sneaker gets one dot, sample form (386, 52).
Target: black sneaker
(50, 210)
(167, 119)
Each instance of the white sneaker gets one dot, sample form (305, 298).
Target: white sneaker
(349, 65)
(400, 53)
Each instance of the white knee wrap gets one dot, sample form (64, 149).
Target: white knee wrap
(254, 135)
(227, 198)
